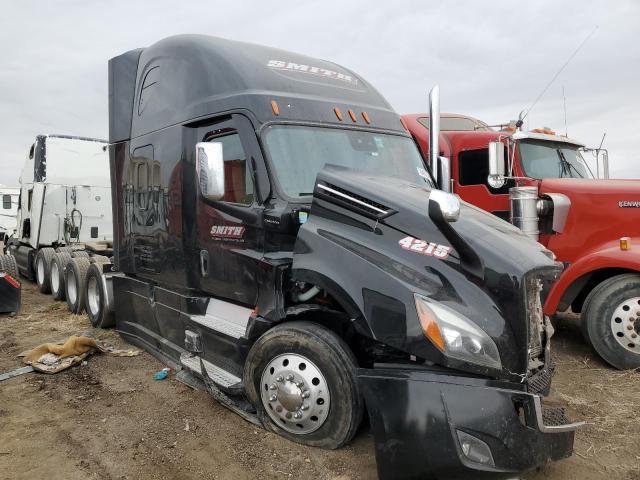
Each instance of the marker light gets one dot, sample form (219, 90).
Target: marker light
(338, 113)
(275, 107)
(365, 116)
(625, 243)
(10, 280)
(352, 115)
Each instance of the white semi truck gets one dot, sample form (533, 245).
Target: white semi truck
(64, 220)
(8, 210)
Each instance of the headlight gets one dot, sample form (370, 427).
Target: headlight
(455, 335)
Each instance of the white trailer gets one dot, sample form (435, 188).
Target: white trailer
(64, 210)
(8, 210)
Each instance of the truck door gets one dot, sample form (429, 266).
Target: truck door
(229, 242)
(471, 183)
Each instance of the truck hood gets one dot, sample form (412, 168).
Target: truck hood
(618, 190)
(601, 211)
(354, 245)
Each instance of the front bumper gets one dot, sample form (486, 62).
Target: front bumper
(416, 415)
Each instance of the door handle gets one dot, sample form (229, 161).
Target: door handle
(204, 263)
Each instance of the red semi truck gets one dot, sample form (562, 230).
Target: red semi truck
(541, 182)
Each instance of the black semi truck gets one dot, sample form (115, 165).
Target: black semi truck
(277, 237)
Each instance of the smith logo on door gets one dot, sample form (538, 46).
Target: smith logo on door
(224, 231)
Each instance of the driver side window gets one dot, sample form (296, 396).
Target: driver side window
(237, 170)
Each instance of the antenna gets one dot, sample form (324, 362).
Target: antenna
(544, 90)
(564, 103)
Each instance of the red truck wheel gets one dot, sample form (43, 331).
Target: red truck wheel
(611, 320)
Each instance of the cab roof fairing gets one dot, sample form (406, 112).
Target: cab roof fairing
(186, 77)
(545, 137)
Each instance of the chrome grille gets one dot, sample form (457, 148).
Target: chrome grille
(535, 316)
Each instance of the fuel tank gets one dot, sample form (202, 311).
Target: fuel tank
(372, 236)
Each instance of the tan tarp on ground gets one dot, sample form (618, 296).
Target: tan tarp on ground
(55, 357)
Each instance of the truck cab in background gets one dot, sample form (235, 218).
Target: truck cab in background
(65, 201)
(8, 211)
(542, 183)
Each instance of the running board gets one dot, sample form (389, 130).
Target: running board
(217, 375)
(224, 317)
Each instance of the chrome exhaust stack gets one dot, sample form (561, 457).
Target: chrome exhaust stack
(524, 210)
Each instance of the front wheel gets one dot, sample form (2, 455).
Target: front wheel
(611, 320)
(302, 379)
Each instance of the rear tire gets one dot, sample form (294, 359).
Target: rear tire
(96, 299)
(99, 259)
(58, 264)
(611, 320)
(43, 269)
(79, 254)
(75, 275)
(278, 365)
(8, 265)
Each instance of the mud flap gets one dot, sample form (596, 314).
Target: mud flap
(10, 294)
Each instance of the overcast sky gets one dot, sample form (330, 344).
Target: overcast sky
(491, 59)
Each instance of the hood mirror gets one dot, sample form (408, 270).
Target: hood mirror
(496, 177)
(210, 169)
(444, 205)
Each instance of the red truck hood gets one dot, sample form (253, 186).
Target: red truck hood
(601, 211)
(622, 190)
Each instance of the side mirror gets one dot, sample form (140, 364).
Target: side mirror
(444, 205)
(496, 165)
(210, 169)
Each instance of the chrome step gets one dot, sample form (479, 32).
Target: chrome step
(217, 374)
(225, 317)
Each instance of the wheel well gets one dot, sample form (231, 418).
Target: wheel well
(366, 349)
(577, 293)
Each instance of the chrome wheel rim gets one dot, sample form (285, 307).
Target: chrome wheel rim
(93, 296)
(72, 290)
(55, 277)
(295, 394)
(40, 271)
(625, 324)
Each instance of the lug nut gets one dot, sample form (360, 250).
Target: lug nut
(633, 335)
(273, 398)
(304, 407)
(279, 379)
(629, 327)
(273, 386)
(300, 384)
(289, 378)
(297, 415)
(305, 394)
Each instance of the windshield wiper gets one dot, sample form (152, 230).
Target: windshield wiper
(567, 166)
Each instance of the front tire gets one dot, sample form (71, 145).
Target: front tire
(611, 320)
(96, 299)
(43, 269)
(75, 274)
(299, 374)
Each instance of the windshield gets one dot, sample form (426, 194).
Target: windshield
(552, 160)
(298, 153)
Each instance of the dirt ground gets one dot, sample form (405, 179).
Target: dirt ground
(109, 419)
